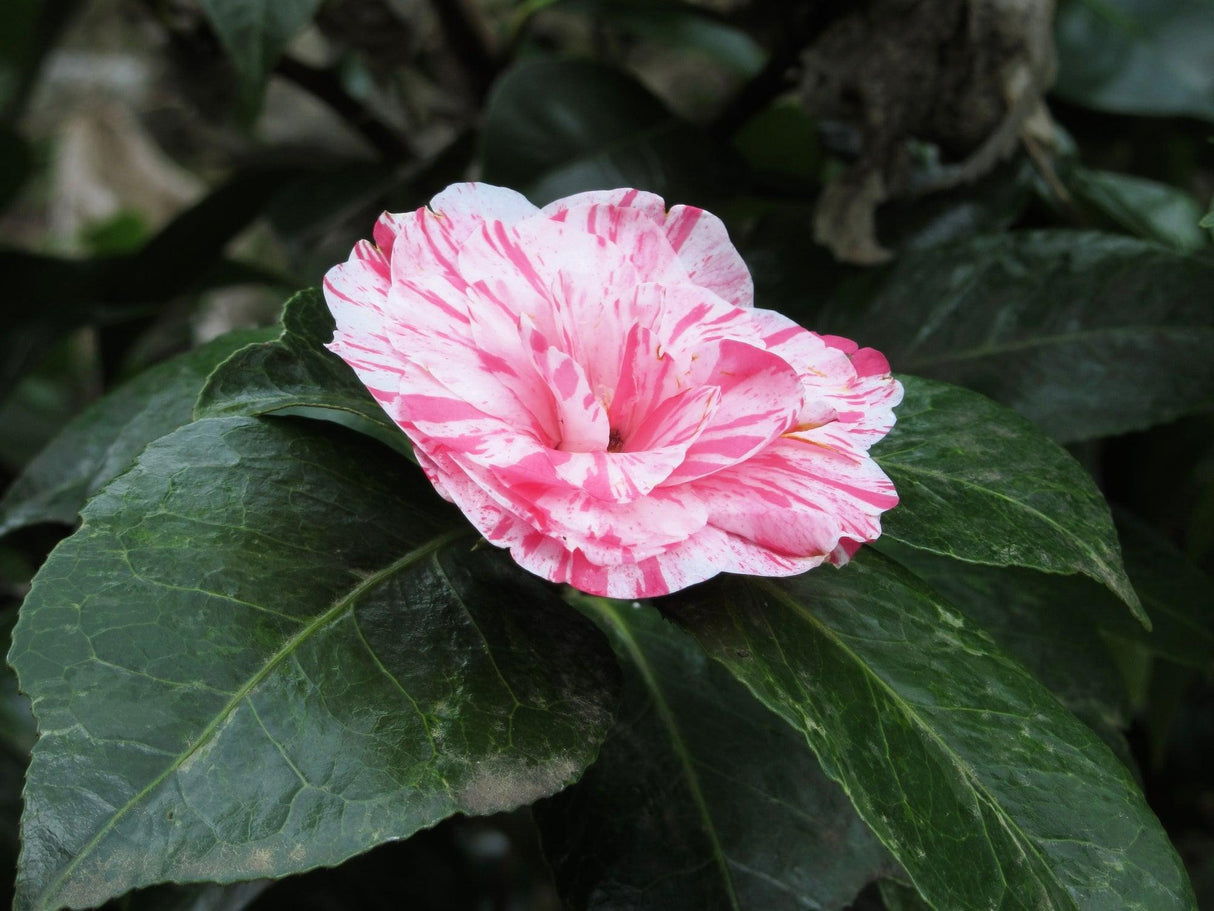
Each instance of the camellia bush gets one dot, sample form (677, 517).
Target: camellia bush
(677, 498)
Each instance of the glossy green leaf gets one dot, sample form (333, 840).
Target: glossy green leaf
(296, 375)
(1052, 629)
(266, 650)
(255, 33)
(701, 798)
(1086, 334)
(1177, 595)
(987, 791)
(557, 127)
(1150, 57)
(1145, 208)
(978, 482)
(102, 441)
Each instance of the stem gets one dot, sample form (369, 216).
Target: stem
(469, 44)
(326, 87)
(773, 80)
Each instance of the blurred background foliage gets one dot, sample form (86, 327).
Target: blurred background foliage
(170, 169)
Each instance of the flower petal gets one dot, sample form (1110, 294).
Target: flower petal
(649, 204)
(703, 244)
(474, 203)
(760, 399)
(798, 499)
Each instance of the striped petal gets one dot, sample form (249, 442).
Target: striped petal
(797, 498)
(760, 398)
(649, 204)
(703, 245)
(591, 384)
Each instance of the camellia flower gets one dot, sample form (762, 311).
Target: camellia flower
(591, 384)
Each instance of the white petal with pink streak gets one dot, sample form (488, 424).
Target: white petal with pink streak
(702, 242)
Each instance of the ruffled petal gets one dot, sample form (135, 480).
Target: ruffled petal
(592, 386)
(798, 498)
(760, 396)
(650, 204)
(470, 204)
(703, 244)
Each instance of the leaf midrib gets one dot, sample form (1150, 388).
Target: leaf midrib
(681, 751)
(335, 612)
(1042, 341)
(964, 767)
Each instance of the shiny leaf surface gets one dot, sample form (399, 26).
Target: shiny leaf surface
(1086, 334)
(103, 440)
(977, 780)
(296, 375)
(978, 482)
(702, 798)
(266, 650)
(1148, 57)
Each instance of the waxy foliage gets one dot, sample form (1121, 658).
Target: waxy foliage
(270, 646)
(267, 659)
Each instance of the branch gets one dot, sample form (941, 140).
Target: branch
(326, 87)
(773, 80)
(468, 43)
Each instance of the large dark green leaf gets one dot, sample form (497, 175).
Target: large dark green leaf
(255, 33)
(1036, 619)
(102, 441)
(296, 375)
(702, 798)
(266, 650)
(1026, 610)
(1087, 334)
(978, 482)
(557, 127)
(986, 789)
(1149, 57)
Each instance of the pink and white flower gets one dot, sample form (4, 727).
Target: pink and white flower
(591, 384)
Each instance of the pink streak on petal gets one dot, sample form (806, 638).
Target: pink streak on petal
(592, 387)
(581, 418)
(650, 204)
(703, 244)
(760, 398)
(473, 203)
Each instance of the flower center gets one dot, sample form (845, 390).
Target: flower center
(615, 442)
